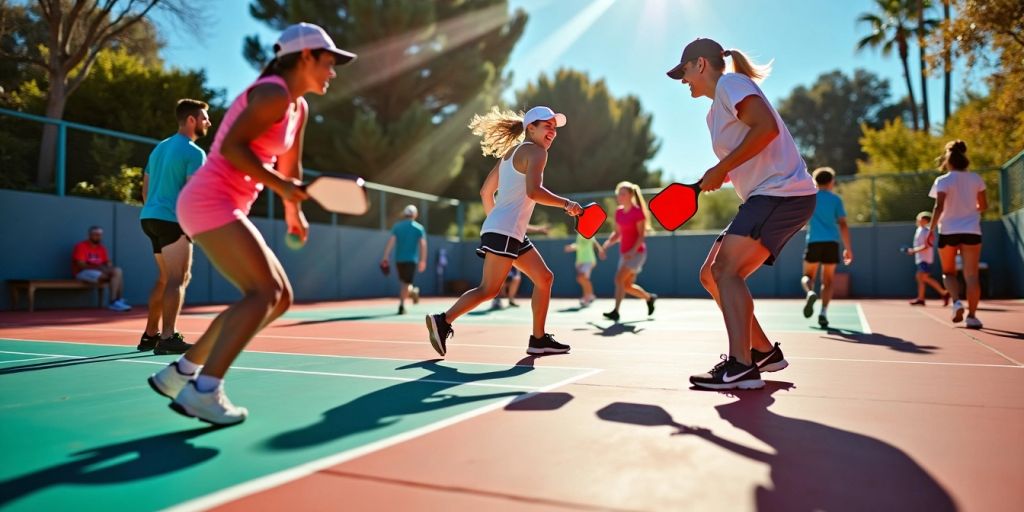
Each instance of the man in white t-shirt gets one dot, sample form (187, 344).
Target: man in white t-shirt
(924, 256)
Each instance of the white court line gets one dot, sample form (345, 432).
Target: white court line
(608, 351)
(352, 375)
(282, 477)
(865, 326)
(310, 372)
(972, 338)
(29, 359)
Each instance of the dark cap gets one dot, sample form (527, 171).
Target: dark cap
(700, 47)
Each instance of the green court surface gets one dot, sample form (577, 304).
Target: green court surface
(775, 316)
(81, 430)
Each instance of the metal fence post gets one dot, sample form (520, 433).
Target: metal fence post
(460, 219)
(383, 210)
(424, 217)
(1004, 196)
(874, 203)
(62, 158)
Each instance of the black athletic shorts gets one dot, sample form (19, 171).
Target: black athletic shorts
(822, 252)
(162, 233)
(406, 271)
(503, 245)
(957, 239)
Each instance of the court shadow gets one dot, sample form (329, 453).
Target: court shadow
(813, 466)
(882, 340)
(573, 309)
(1015, 335)
(127, 461)
(388, 406)
(618, 328)
(48, 365)
(539, 402)
(340, 319)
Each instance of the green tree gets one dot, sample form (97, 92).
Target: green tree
(76, 31)
(126, 92)
(891, 27)
(398, 114)
(607, 139)
(826, 118)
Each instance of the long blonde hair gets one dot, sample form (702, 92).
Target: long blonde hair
(742, 64)
(638, 200)
(498, 131)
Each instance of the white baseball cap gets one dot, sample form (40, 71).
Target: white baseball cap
(301, 36)
(543, 114)
(410, 211)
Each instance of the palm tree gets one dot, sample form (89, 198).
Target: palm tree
(892, 28)
(947, 64)
(924, 28)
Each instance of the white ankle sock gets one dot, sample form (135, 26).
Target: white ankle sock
(823, 310)
(205, 383)
(186, 367)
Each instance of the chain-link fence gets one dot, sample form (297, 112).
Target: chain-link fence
(96, 162)
(1012, 178)
(900, 197)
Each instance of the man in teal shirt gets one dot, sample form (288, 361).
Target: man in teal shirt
(409, 240)
(173, 162)
(827, 226)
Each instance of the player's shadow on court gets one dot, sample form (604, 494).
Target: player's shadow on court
(127, 461)
(386, 407)
(1015, 335)
(813, 466)
(882, 340)
(352, 318)
(61, 363)
(618, 328)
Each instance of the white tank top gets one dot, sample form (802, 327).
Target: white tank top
(512, 208)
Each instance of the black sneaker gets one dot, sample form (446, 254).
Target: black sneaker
(809, 306)
(612, 315)
(513, 304)
(729, 374)
(440, 330)
(771, 361)
(401, 309)
(822, 321)
(546, 345)
(173, 345)
(146, 343)
(650, 304)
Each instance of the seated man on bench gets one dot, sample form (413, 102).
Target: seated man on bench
(90, 263)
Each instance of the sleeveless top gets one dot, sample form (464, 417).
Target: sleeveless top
(512, 208)
(276, 140)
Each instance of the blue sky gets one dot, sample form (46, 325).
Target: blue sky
(630, 44)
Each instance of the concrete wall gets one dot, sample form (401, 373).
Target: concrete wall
(39, 230)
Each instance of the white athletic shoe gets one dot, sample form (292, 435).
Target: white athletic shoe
(415, 295)
(958, 311)
(212, 407)
(119, 306)
(170, 381)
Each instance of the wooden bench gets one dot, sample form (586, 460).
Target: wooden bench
(31, 285)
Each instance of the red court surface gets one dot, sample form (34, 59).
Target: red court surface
(906, 412)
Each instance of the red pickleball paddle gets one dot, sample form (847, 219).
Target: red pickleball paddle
(590, 221)
(675, 205)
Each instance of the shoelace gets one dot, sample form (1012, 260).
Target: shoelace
(719, 366)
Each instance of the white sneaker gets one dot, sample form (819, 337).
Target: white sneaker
(415, 294)
(958, 311)
(212, 407)
(170, 381)
(973, 323)
(123, 304)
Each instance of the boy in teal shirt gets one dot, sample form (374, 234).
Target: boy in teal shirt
(826, 227)
(586, 260)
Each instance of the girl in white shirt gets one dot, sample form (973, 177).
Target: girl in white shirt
(521, 141)
(959, 200)
(758, 153)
